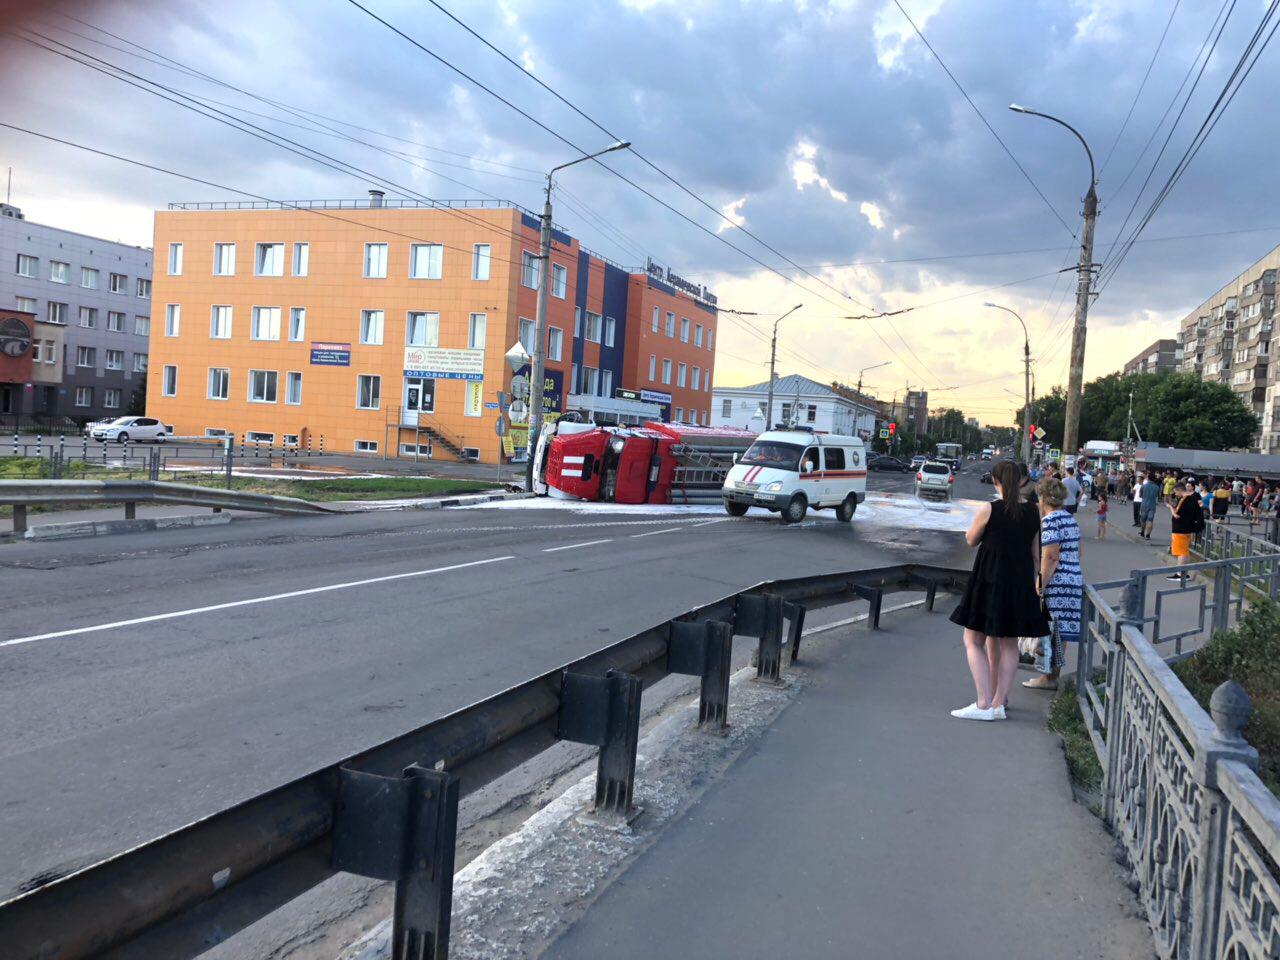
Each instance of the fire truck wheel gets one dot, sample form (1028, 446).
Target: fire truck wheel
(735, 509)
(795, 509)
(844, 512)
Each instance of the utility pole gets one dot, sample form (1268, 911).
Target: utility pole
(1026, 386)
(858, 393)
(537, 362)
(773, 361)
(1084, 284)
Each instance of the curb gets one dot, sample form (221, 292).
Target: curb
(102, 528)
(470, 501)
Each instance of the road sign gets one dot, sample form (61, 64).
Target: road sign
(1039, 432)
(519, 411)
(500, 426)
(884, 433)
(516, 357)
(504, 401)
(520, 387)
(1039, 444)
(1055, 454)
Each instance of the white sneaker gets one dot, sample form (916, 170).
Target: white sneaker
(974, 712)
(1000, 713)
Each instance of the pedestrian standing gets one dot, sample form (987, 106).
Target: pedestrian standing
(1237, 494)
(1166, 487)
(1221, 502)
(1000, 602)
(1072, 485)
(1060, 581)
(1102, 516)
(1147, 500)
(1187, 522)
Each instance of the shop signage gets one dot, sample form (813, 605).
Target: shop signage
(436, 363)
(330, 354)
(655, 396)
(668, 276)
(622, 393)
(552, 388)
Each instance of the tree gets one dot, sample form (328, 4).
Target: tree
(138, 401)
(1050, 413)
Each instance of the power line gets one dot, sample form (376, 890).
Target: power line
(1141, 87)
(964, 93)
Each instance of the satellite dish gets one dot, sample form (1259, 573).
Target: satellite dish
(516, 357)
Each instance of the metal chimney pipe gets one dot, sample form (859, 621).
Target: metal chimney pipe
(375, 198)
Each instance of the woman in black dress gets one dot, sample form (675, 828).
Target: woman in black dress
(1000, 603)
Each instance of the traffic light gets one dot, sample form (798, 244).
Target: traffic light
(893, 428)
(1031, 431)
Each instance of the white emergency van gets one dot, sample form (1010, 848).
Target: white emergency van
(794, 471)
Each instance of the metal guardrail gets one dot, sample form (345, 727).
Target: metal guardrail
(390, 812)
(22, 494)
(1200, 829)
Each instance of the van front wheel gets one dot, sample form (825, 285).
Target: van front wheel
(844, 512)
(735, 509)
(795, 509)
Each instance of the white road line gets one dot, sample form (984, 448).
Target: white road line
(244, 603)
(654, 533)
(707, 523)
(573, 546)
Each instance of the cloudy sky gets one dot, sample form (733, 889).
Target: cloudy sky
(827, 129)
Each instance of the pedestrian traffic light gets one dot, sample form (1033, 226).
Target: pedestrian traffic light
(1031, 431)
(893, 428)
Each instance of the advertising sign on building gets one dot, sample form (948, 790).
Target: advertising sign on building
(438, 363)
(655, 396)
(330, 354)
(622, 393)
(552, 389)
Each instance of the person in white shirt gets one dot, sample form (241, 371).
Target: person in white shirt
(1072, 501)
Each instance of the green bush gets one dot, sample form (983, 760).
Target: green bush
(1249, 654)
(1064, 719)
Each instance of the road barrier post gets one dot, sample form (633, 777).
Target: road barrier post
(20, 518)
(605, 712)
(875, 599)
(794, 613)
(228, 443)
(130, 510)
(704, 650)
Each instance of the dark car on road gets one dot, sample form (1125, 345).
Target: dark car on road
(892, 464)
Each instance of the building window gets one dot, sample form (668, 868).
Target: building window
(590, 381)
(268, 260)
(679, 418)
(289, 440)
(35, 350)
(422, 330)
(220, 323)
(368, 392)
(57, 312)
(696, 381)
(140, 363)
(371, 327)
(84, 396)
(224, 259)
(610, 328)
(143, 288)
(573, 378)
(142, 326)
(671, 325)
(555, 342)
(710, 333)
(529, 270)
(811, 414)
(59, 272)
(682, 375)
(175, 259)
(111, 398)
(657, 319)
(526, 335)
(426, 261)
(50, 352)
(119, 283)
(264, 323)
(475, 333)
(28, 266)
(666, 371)
(115, 360)
(88, 317)
(89, 278)
(606, 383)
(480, 261)
(593, 327)
(297, 323)
(375, 261)
(653, 367)
(726, 408)
(684, 329)
(28, 305)
(786, 412)
(577, 322)
(115, 321)
(257, 436)
(219, 387)
(169, 381)
(172, 318)
(697, 335)
(262, 386)
(559, 280)
(301, 259)
(366, 446)
(293, 387)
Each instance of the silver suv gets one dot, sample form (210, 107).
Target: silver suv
(935, 480)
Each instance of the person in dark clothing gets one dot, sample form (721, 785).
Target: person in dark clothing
(1000, 602)
(1188, 520)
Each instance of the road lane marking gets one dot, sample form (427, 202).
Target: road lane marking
(707, 523)
(252, 600)
(572, 546)
(654, 533)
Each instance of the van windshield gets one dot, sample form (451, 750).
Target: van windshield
(773, 453)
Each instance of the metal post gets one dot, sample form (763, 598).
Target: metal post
(19, 518)
(228, 443)
(769, 652)
(322, 444)
(130, 511)
(704, 650)
(537, 361)
(605, 712)
(1084, 282)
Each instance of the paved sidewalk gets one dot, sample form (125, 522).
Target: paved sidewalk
(868, 823)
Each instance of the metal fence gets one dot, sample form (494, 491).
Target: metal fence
(390, 812)
(1200, 830)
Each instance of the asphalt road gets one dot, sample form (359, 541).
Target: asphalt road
(151, 679)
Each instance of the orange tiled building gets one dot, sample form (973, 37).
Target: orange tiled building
(381, 327)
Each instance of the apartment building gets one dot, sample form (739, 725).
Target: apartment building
(91, 299)
(1227, 339)
(382, 326)
(1163, 356)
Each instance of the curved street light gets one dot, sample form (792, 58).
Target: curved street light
(1026, 359)
(773, 358)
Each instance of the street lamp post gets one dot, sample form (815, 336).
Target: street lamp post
(773, 359)
(1084, 281)
(875, 366)
(1026, 360)
(537, 362)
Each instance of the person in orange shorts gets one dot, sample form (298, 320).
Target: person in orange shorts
(1188, 520)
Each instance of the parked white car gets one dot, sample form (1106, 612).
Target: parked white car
(793, 471)
(935, 480)
(135, 429)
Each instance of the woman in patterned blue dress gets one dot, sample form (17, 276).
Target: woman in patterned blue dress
(1061, 582)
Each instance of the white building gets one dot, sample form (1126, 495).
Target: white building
(809, 403)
